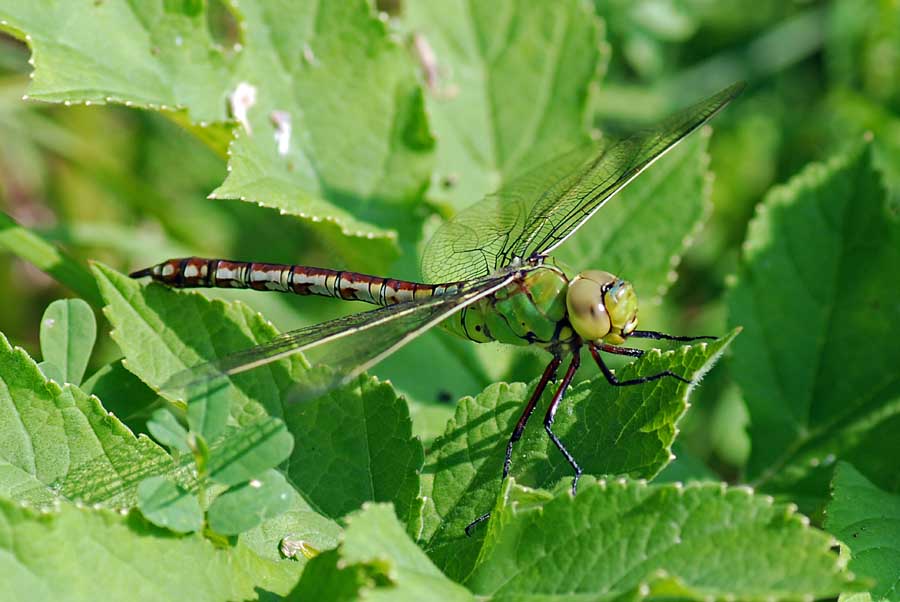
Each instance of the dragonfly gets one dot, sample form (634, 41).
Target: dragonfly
(490, 276)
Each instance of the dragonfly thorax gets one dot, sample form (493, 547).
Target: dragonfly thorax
(601, 306)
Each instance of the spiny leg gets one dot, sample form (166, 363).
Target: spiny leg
(652, 334)
(551, 415)
(549, 373)
(611, 378)
(620, 350)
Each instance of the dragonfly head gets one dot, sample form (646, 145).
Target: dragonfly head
(601, 307)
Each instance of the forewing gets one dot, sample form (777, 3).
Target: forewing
(340, 349)
(537, 212)
(477, 241)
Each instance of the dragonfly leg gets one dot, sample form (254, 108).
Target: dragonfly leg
(471, 526)
(620, 350)
(652, 334)
(551, 415)
(611, 378)
(549, 373)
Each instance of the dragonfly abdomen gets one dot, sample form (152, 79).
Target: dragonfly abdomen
(199, 272)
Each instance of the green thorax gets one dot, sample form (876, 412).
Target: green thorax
(527, 311)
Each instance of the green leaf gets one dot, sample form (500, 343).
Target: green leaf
(625, 539)
(68, 332)
(166, 429)
(168, 505)
(327, 579)
(245, 506)
(356, 446)
(299, 523)
(509, 86)
(46, 257)
(52, 372)
(149, 64)
(123, 393)
(56, 442)
(208, 415)
(609, 430)
(685, 467)
(80, 554)
(249, 451)
(867, 520)
(817, 362)
(301, 65)
(376, 561)
(643, 231)
(380, 150)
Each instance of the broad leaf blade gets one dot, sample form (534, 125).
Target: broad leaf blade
(151, 66)
(56, 442)
(372, 162)
(817, 362)
(168, 505)
(52, 372)
(299, 523)
(68, 332)
(248, 452)
(80, 554)
(245, 506)
(625, 538)
(509, 86)
(166, 429)
(306, 63)
(376, 561)
(355, 445)
(627, 430)
(867, 521)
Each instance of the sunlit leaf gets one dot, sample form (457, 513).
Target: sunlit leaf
(623, 539)
(68, 332)
(280, 88)
(817, 360)
(376, 560)
(76, 553)
(508, 86)
(247, 505)
(867, 520)
(609, 430)
(355, 445)
(168, 505)
(56, 443)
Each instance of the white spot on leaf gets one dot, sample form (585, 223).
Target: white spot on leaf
(282, 122)
(242, 100)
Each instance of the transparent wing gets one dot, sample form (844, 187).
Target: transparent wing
(536, 212)
(340, 349)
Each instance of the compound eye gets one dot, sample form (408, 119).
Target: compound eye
(621, 305)
(587, 313)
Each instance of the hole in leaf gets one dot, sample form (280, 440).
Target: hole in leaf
(391, 7)
(223, 24)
